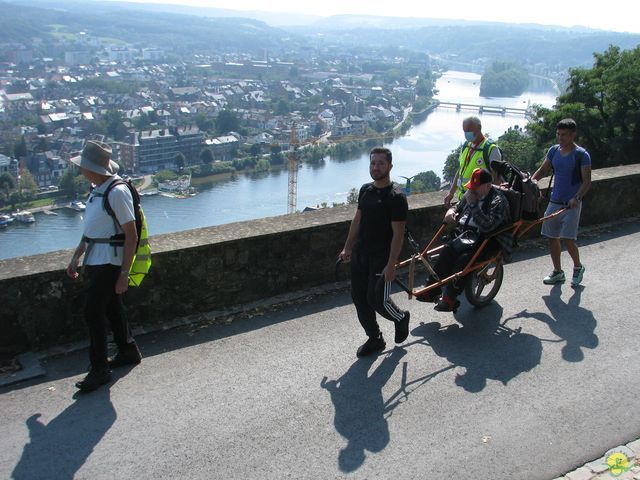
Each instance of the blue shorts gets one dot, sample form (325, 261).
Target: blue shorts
(564, 225)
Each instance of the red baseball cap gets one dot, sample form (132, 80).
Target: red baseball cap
(480, 176)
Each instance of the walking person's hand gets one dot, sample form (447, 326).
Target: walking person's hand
(72, 268)
(389, 272)
(122, 285)
(345, 255)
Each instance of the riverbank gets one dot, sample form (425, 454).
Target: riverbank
(226, 198)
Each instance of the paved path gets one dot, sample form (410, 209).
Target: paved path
(531, 387)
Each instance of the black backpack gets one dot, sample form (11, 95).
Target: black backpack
(137, 209)
(520, 182)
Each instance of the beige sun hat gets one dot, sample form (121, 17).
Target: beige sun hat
(96, 156)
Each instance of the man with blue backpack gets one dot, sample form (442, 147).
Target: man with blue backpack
(109, 243)
(571, 168)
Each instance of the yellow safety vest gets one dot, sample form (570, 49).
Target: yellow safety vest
(471, 157)
(142, 261)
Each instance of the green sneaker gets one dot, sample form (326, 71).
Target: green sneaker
(557, 276)
(577, 276)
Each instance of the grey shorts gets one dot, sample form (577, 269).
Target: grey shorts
(564, 225)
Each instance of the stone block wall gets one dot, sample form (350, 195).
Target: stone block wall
(230, 265)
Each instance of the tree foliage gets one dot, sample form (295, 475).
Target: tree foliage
(605, 102)
(66, 184)
(226, 122)
(520, 148)
(503, 79)
(28, 186)
(205, 122)
(452, 164)
(425, 182)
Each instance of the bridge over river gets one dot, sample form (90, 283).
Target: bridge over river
(501, 110)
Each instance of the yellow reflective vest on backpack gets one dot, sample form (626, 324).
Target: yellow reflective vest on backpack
(142, 259)
(471, 157)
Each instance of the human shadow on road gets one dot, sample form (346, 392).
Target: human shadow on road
(569, 321)
(360, 408)
(486, 348)
(60, 448)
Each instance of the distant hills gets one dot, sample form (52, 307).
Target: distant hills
(22, 21)
(189, 29)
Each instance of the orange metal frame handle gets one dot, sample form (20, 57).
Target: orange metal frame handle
(519, 227)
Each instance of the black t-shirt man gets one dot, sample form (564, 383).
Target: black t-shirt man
(373, 245)
(379, 207)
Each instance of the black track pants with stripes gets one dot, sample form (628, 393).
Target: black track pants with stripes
(369, 291)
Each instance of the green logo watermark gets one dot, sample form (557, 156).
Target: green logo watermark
(618, 463)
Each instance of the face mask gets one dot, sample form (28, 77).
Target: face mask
(469, 136)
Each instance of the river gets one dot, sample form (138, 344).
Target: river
(249, 196)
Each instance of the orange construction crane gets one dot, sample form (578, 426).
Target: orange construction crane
(293, 171)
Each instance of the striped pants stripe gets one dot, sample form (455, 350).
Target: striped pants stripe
(370, 292)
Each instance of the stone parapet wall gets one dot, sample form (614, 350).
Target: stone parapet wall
(214, 268)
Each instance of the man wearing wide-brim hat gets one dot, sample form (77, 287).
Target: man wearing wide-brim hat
(106, 265)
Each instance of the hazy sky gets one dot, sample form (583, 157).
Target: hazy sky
(616, 15)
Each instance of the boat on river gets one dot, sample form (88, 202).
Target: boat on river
(5, 220)
(78, 206)
(25, 216)
(178, 188)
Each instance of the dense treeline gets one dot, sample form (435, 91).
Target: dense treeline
(503, 79)
(605, 101)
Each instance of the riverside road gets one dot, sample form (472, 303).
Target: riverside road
(541, 381)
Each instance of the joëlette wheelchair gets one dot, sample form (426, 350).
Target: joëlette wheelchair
(485, 272)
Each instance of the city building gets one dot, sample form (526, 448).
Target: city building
(153, 150)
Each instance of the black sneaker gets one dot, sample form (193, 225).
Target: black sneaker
(446, 306)
(371, 346)
(129, 356)
(94, 379)
(402, 328)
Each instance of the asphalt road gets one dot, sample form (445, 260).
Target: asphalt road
(541, 381)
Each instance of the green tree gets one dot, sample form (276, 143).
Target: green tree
(204, 122)
(425, 182)
(81, 186)
(43, 145)
(142, 122)
(255, 149)
(352, 198)
(276, 157)
(452, 164)
(226, 122)
(16, 198)
(519, 147)
(283, 107)
(114, 124)
(164, 175)
(180, 161)
(206, 156)
(67, 184)
(7, 185)
(262, 165)
(503, 78)
(28, 186)
(7, 182)
(20, 150)
(605, 102)
(424, 88)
